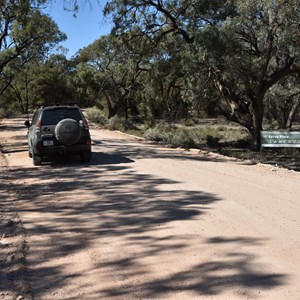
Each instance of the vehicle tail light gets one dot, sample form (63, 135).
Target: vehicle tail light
(38, 126)
(85, 124)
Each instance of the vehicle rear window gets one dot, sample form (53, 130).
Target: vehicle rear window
(52, 117)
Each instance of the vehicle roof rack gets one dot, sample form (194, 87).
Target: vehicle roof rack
(60, 104)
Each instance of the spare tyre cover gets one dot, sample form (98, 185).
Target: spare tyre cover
(67, 131)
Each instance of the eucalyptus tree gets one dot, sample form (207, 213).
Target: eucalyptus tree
(22, 27)
(245, 46)
(18, 91)
(283, 102)
(85, 86)
(25, 34)
(251, 52)
(159, 18)
(165, 85)
(40, 81)
(115, 69)
(53, 82)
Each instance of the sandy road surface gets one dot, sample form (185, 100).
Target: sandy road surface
(145, 222)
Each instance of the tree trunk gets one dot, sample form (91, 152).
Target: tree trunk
(292, 114)
(113, 109)
(281, 118)
(258, 111)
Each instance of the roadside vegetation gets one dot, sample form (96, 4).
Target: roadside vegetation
(215, 135)
(183, 133)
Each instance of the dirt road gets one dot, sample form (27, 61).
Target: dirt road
(144, 222)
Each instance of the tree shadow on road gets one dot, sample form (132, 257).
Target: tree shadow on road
(107, 203)
(209, 279)
(105, 209)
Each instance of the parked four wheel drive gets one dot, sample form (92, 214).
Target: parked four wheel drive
(59, 129)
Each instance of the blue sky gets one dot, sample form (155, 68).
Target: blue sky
(88, 25)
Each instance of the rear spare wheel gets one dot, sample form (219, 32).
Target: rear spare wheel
(67, 131)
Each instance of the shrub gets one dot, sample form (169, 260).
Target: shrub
(189, 122)
(115, 123)
(242, 143)
(118, 123)
(2, 113)
(6, 113)
(212, 141)
(157, 134)
(206, 135)
(95, 115)
(172, 135)
(181, 138)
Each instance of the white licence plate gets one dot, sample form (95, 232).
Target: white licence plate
(48, 143)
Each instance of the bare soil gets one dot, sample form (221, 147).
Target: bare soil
(145, 222)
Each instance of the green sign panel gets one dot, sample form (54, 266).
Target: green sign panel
(280, 138)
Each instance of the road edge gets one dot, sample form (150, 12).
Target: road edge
(14, 282)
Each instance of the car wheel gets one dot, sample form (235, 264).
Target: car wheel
(67, 131)
(86, 156)
(37, 160)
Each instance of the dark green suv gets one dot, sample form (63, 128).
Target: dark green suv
(59, 129)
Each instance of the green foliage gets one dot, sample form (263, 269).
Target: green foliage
(6, 112)
(119, 123)
(38, 82)
(206, 134)
(116, 123)
(160, 133)
(189, 122)
(212, 141)
(199, 135)
(25, 31)
(243, 48)
(96, 115)
(26, 37)
(172, 135)
(282, 101)
(182, 138)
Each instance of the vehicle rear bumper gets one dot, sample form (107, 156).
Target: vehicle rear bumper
(62, 149)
